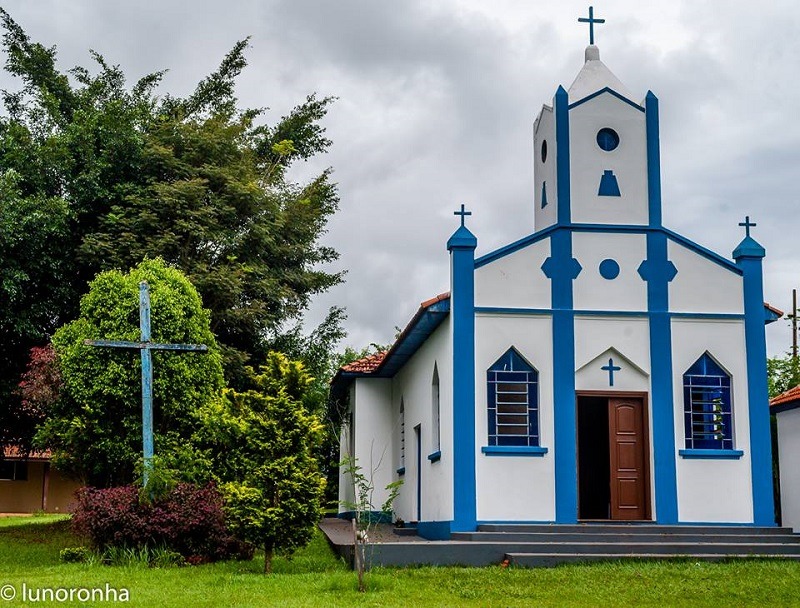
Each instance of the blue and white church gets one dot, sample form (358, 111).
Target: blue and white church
(603, 368)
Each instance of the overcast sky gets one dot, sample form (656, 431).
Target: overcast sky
(436, 102)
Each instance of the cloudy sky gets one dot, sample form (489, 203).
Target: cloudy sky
(436, 101)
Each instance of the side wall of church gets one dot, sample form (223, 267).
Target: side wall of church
(414, 386)
(515, 487)
(713, 490)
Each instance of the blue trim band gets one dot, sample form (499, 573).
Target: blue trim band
(374, 517)
(606, 90)
(566, 476)
(726, 316)
(435, 456)
(462, 311)
(435, 530)
(513, 450)
(757, 395)
(562, 156)
(712, 454)
(653, 160)
(661, 394)
(608, 229)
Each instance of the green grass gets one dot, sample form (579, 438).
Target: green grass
(29, 550)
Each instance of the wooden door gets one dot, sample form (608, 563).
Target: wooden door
(627, 456)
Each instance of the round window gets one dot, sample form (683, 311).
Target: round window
(544, 150)
(607, 139)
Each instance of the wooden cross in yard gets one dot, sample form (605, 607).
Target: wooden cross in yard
(146, 347)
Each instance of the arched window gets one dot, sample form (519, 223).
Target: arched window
(402, 466)
(436, 432)
(513, 401)
(707, 416)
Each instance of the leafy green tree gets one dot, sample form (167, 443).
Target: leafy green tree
(95, 427)
(102, 174)
(783, 373)
(263, 440)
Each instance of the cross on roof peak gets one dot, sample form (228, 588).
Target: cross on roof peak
(463, 213)
(591, 21)
(747, 225)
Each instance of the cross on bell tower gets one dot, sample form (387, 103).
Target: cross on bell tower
(591, 21)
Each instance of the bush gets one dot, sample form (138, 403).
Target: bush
(74, 555)
(187, 520)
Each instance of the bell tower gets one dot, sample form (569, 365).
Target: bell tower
(596, 152)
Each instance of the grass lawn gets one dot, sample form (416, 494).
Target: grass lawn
(29, 554)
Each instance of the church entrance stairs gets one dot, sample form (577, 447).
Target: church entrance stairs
(537, 545)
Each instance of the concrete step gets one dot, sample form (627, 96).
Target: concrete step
(538, 560)
(634, 528)
(683, 536)
(633, 548)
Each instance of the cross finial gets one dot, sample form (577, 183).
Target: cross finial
(747, 225)
(591, 21)
(462, 213)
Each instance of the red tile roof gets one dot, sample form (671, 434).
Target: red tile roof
(776, 311)
(13, 452)
(369, 364)
(793, 394)
(366, 365)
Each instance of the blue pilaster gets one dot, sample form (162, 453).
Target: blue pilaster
(562, 269)
(653, 160)
(562, 156)
(462, 313)
(658, 271)
(749, 255)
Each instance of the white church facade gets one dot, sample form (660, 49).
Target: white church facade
(602, 368)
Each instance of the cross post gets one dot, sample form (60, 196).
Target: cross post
(611, 368)
(591, 21)
(462, 213)
(747, 225)
(146, 347)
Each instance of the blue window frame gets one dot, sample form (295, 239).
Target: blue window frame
(513, 401)
(707, 415)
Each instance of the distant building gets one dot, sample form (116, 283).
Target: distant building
(786, 408)
(602, 368)
(29, 484)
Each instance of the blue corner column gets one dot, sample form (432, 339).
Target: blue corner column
(749, 255)
(658, 271)
(561, 268)
(462, 311)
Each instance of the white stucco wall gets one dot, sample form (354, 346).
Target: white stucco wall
(515, 487)
(593, 292)
(588, 162)
(516, 280)
(789, 457)
(713, 490)
(413, 384)
(702, 285)
(630, 337)
(545, 130)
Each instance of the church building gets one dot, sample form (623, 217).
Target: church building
(602, 368)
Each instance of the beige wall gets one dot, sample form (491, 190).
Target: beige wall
(26, 496)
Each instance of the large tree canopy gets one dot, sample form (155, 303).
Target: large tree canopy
(96, 175)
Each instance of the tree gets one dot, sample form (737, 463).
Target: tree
(264, 440)
(783, 373)
(95, 427)
(102, 174)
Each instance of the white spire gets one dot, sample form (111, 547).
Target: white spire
(595, 76)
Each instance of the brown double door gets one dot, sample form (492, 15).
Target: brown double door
(613, 481)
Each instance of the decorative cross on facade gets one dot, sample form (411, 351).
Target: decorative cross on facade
(591, 21)
(610, 368)
(747, 225)
(146, 347)
(462, 213)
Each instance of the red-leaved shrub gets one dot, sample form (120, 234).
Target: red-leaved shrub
(189, 520)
